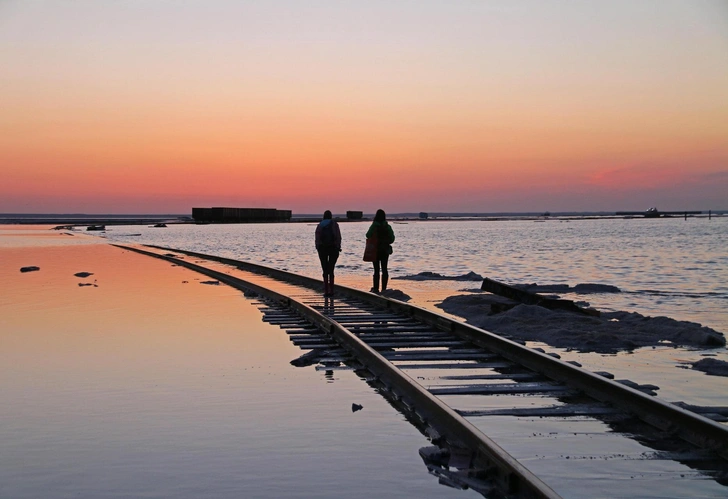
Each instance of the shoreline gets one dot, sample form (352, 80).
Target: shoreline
(75, 221)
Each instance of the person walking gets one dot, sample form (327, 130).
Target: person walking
(384, 235)
(328, 245)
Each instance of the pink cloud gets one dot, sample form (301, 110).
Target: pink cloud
(656, 174)
(639, 176)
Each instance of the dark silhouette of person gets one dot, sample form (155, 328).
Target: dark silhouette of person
(385, 237)
(328, 245)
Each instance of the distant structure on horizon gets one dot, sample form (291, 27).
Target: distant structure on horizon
(240, 215)
(655, 213)
(354, 215)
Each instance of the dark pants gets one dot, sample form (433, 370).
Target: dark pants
(328, 257)
(381, 261)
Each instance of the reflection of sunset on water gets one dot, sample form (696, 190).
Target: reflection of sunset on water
(148, 385)
(139, 307)
(143, 384)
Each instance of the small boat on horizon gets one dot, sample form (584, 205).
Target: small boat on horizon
(652, 213)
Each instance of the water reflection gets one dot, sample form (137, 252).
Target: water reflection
(453, 467)
(150, 386)
(669, 255)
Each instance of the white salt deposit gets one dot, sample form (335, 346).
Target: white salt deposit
(609, 333)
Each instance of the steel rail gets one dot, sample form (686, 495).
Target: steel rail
(489, 458)
(684, 424)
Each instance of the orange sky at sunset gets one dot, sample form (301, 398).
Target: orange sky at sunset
(155, 107)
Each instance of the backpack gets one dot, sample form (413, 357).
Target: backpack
(327, 236)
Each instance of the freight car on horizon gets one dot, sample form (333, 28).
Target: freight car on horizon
(240, 215)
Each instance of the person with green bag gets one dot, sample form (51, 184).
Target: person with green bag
(384, 235)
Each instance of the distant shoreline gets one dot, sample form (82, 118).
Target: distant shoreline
(108, 219)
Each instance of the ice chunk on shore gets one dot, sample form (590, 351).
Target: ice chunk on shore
(609, 333)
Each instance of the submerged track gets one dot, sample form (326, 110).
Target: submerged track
(439, 372)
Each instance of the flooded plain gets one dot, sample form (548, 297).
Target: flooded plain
(663, 267)
(141, 381)
(670, 266)
(151, 384)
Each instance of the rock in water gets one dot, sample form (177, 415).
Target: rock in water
(585, 288)
(396, 294)
(470, 276)
(32, 268)
(713, 367)
(434, 276)
(356, 407)
(83, 275)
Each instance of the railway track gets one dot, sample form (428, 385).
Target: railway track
(457, 384)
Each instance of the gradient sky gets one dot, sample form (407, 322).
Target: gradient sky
(151, 106)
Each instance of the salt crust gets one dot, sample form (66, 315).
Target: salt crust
(610, 333)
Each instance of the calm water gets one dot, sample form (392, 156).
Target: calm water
(664, 267)
(154, 385)
(672, 267)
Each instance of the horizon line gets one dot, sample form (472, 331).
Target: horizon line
(403, 213)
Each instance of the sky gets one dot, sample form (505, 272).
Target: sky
(158, 106)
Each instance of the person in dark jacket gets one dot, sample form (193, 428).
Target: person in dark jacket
(385, 237)
(328, 245)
